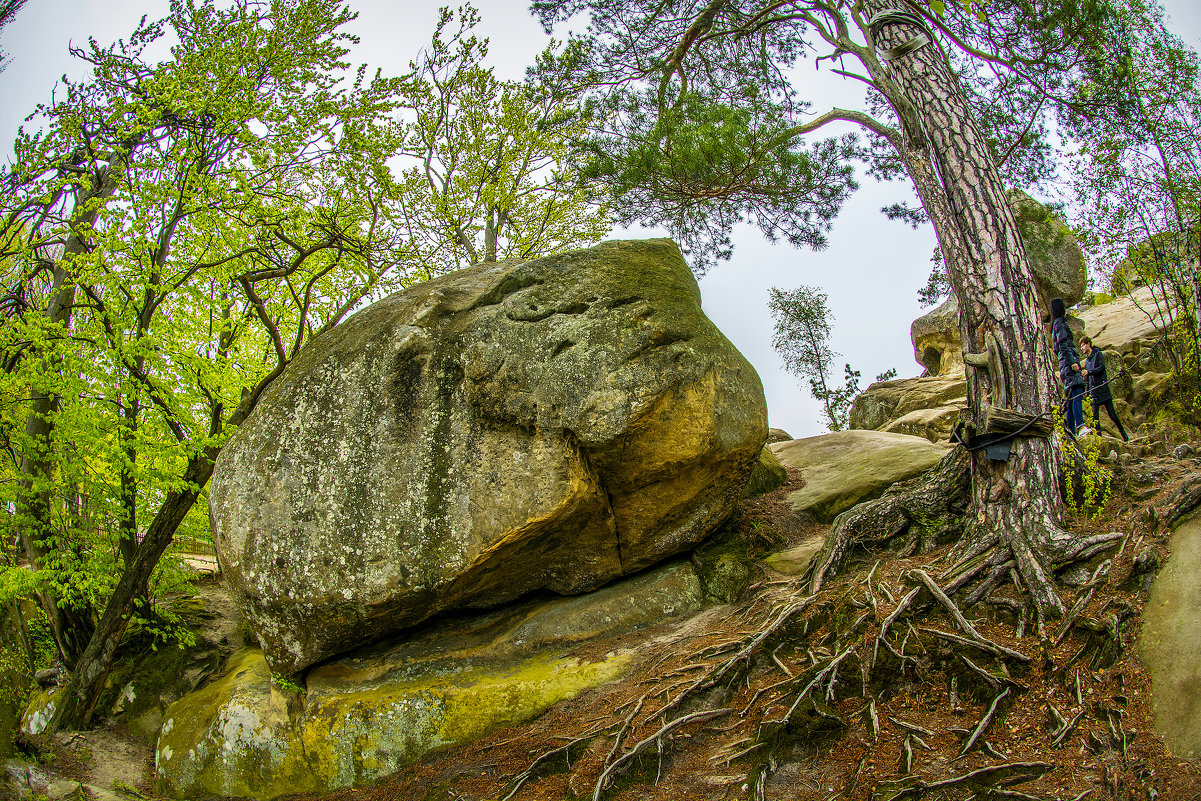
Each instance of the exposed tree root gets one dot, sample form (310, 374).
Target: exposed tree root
(913, 677)
(930, 503)
(993, 776)
(1186, 498)
(930, 508)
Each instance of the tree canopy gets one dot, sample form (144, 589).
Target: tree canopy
(175, 232)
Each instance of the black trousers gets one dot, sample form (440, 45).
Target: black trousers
(1113, 415)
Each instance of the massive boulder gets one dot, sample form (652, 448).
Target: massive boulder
(516, 426)
(1059, 271)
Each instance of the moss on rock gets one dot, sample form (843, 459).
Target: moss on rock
(374, 711)
(238, 737)
(500, 430)
(767, 475)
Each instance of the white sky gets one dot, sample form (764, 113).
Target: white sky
(871, 270)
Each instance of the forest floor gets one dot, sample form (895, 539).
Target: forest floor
(788, 696)
(715, 710)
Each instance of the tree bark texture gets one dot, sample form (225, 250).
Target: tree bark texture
(962, 190)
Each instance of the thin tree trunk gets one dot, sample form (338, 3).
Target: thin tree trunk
(491, 228)
(1017, 501)
(128, 539)
(37, 464)
(77, 701)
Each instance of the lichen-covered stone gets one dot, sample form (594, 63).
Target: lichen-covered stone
(778, 435)
(374, 711)
(795, 561)
(1059, 271)
(846, 467)
(39, 709)
(767, 475)
(549, 424)
(1129, 323)
(932, 424)
(1170, 643)
(885, 402)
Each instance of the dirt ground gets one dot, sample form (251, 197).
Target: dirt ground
(788, 696)
(709, 714)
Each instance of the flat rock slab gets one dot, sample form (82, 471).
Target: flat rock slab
(1170, 644)
(932, 424)
(846, 467)
(372, 712)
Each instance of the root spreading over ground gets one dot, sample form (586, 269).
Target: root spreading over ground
(903, 666)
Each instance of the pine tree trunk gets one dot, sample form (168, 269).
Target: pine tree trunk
(1017, 503)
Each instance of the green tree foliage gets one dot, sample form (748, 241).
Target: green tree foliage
(1138, 177)
(486, 160)
(175, 232)
(8, 11)
(803, 323)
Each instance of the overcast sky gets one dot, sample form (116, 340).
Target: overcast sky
(871, 270)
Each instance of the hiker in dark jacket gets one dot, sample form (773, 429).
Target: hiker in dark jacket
(1098, 385)
(1069, 365)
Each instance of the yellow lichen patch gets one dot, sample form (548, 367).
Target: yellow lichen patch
(522, 694)
(231, 738)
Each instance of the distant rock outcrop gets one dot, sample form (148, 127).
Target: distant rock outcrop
(922, 407)
(1131, 326)
(846, 467)
(1059, 271)
(550, 424)
(1129, 330)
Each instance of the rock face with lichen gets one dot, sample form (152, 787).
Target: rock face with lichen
(844, 468)
(1059, 271)
(373, 711)
(515, 426)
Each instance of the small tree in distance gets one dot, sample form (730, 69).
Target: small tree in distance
(802, 338)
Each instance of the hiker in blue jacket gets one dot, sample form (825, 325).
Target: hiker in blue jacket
(1069, 365)
(1098, 385)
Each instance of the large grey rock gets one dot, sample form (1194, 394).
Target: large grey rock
(549, 424)
(1170, 643)
(886, 401)
(1059, 271)
(372, 712)
(1130, 324)
(846, 467)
